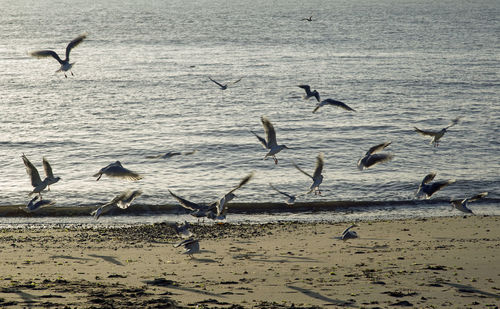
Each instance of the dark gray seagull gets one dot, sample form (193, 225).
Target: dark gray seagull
(224, 86)
(309, 94)
(334, 103)
(122, 201)
(317, 178)
(291, 198)
(65, 64)
(371, 157)
(436, 135)
(117, 170)
(427, 189)
(462, 204)
(36, 181)
(310, 18)
(269, 142)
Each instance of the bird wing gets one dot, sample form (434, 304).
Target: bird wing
(347, 229)
(319, 166)
(428, 178)
(128, 198)
(73, 44)
(32, 172)
(438, 185)
(261, 140)
(377, 148)
(185, 242)
(120, 171)
(378, 158)
(477, 197)
(46, 53)
(338, 104)
(316, 95)
(47, 168)
(243, 182)
(301, 170)
(185, 203)
(281, 192)
(425, 132)
(220, 85)
(307, 88)
(237, 81)
(453, 122)
(270, 132)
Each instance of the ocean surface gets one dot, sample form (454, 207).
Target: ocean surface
(140, 88)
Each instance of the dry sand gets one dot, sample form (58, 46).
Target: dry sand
(426, 263)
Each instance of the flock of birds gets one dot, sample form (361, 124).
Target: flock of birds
(218, 209)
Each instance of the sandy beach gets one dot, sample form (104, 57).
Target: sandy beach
(425, 263)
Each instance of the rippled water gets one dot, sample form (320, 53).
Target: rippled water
(141, 88)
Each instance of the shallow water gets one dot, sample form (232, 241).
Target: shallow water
(141, 88)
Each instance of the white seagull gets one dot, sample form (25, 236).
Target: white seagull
(191, 246)
(462, 204)
(269, 142)
(36, 181)
(37, 203)
(348, 233)
(316, 177)
(427, 189)
(436, 135)
(309, 94)
(122, 200)
(334, 103)
(65, 64)
(224, 86)
(371, 157)
(291, 198)
(117, 170)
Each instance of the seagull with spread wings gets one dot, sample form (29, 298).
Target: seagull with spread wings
(122, 201)
(224, 86)
(333, 103)
(427, 189)
(461, 205)
(191, 246)
(117, 170)
(371, 157)
(309, 94)
(317, 178)
(290, 198)
(36, 181)
(436, 135)
(269, 142)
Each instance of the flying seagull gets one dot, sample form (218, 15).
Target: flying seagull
(182, 229)
(462, 204)
(310, 18)
(309, 94)
(223, 86)
(65, 64)
(117, 170)
(36, 203)
(122, 200)
(316, 177)
(291, 198)
(436, 135)
(36, 181)
(334, 103)
(348, 233)
(170, 154)
(270, 141)
(371, 157)
(221, 204)
(427, 189)
(190, 245)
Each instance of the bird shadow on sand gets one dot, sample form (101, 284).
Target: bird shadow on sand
(176, 286)
(469, 289)
(328, 300)
(107, 258)
(69, 257)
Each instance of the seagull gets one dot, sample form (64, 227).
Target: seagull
(122, 200)
(223, 87)
(316, 177)
(462, 204)
(37, 203)
(183, 229)
(291, 198)
(36, 181)
(117, 170)
(436, 135)
(310, 18)
(426, 189)
(348, 234)
(309, 94)
(65, 64)
(190, 245)
(334, 103)
(170, 154)
(270, 141)
(371, 158)
(221, 204)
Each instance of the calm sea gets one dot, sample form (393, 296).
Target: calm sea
(141, 88)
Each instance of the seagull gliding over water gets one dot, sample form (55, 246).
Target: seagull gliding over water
(427, 189)
(117, 170)
(223, 86)
(371, 157)
(334, 103)
(462, 204)
(309, 94)
(436, 135)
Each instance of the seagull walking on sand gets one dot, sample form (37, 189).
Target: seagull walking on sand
(427, 189)
(65, 64)
(317, 178)
(269, 142)
(36, 181)
(462, 204)
(371, 157)
(348, 233)
(117, 170)
(290, 198)
(334, 103)
(36, 203)
(122, 201)
(436, 135)
(191, 246)
(223, 86)
(309, 94)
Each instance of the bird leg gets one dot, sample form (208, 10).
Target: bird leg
(72, 73)
(65, 75)
(275, 160)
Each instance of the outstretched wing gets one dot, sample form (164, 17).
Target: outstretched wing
(32, 172)
(428, 178)
(73, 44)
(47, 168)
(185, 203)
(279, 191)
(46, 53)
(338, 104)
(377, 148)
(270, 132)
(261, 139)
(377, 158)
(243, 182)
(237, 81)
(319, 165)
(219, 84)
(478, 196)
(301, 170)
(454, 122)
(307, 88)
(425, 132)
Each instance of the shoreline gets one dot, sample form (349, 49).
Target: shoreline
(438, 261)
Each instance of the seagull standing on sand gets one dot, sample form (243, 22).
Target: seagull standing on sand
(462, 204)
(122, 200)
(316, 177)
(334, 103)
(37, 203)
(436, 135)
(223, 86)
(36, 181)
(371, 157)
(427, 189)
(270, 141)
(291, 198)
(191, 246)
(117, 170)
(348, 233)
(65, 64)
(309, 94)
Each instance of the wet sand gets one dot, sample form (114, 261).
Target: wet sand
(427, 263)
